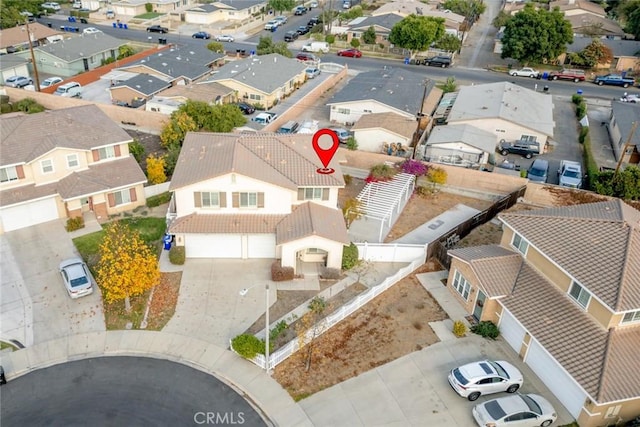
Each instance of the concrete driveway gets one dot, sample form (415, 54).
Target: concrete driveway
(35, 305)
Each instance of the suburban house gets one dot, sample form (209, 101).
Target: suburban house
(261, 80)
(172, 98)
(387, 133)
(225, 10)
(626, 53)
(390, 90)
(623, 114)
(15, 38)
(570, 310)
(509, 111)
(175, 65)
(256, 196)
(588, 26)
(452, 21)
(578, 7)
(461, 145)
(13, 65)
(138, 7)
(63, 163)
(382, 24)
(75, 55)
(137, 90)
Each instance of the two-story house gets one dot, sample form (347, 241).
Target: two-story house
(256, 196)
(61, 163)
(564, 288)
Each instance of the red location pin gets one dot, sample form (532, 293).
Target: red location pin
(325, 155)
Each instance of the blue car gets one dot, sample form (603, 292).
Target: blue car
(201, 35)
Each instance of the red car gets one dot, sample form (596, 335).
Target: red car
(352, 53)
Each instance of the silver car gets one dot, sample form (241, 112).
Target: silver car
(76, 277)
(485, 377)
(522, 410)
(18, 81)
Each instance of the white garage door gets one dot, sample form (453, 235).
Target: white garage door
(261, 246)
(213, 245)
(511, 330)
(16, 217)
(559, 382)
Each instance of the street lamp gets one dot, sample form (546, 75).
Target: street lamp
(243, 292)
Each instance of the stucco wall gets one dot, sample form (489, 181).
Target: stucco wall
(334, 256)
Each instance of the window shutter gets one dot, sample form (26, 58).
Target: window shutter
(222, 197)
(261, 200)
(20, 171)
(325, 194)
(133, 195)
(96, 155)
(112, 200)
(197, 199)
(300, 193)
(116, 150)
(235, 199)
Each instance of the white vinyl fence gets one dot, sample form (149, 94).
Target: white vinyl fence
(394, 252)
(154, 190)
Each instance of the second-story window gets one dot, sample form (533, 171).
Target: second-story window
(631, 317)
(107, 152)
(72, 161)
(519, 243)
(210, 200)
(47, 166)
(580, 294)
(248, 200)
(8, 174)
(313, 194)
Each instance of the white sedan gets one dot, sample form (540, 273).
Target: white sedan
(522, 410)
(224, 38)
(76, 277)
(525, 72)
(91, 30)
(50, 82)
(485, 377)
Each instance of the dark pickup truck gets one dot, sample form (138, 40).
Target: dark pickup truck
(614, 80)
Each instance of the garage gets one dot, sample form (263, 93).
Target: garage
(559, 382)
(261, 246)
(511, 330)
(28, 214)
(213, 245)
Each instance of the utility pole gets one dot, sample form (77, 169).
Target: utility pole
(416, 134)
(33, 57)
(634, 125)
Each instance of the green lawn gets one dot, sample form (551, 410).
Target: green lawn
(148, 15)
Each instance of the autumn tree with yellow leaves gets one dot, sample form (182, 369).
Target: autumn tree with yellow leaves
(127, 266)
(155, 169)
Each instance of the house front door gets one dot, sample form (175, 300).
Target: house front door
(477, 310)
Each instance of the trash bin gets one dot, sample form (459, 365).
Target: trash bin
(49, 24)
(167, 239)
(579, 92)
(406, 61)
(3, 380)
(545, 75)
(115, 25)
(125, 26)
(120, 25)
(545, 89)
(84, 21)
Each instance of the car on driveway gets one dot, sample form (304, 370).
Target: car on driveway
(224, 38)
(438, 61)
(538, 171)
(522, 410)
(265, 118)
(485, 377)
(351, 53)
(525, 72)
(18, 81)
(312, 72)
(246, 108)
(343, 134)
(91, 30)
(201, 35)
(526, 149)
(76, 277)
(157, 29)
(50, 82)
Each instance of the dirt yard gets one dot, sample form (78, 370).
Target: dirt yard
(391, 326)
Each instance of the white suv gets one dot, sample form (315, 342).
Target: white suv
(485, 377)
(69, 90)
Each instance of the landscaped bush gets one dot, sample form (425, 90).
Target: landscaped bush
(330, 273)
(28, 105)
(280, 328)
(280, 273)
(486, 329)
(349, 257)
(584, 131)
(422, 190)
(352, 144)
(137, 150)
(75, 223)
(414, 167)
(459, 329)
(177, 255)
(248, 346)
(581, 105)
(381, 172)
(577, 99)
(159, 199)
(330, 38)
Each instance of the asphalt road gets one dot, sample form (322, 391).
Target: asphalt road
(122, 391)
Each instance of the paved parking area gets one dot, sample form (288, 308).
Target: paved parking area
(35, 304)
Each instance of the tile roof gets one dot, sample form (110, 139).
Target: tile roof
(507, 101)
(618, 47)
(240, 4)
(284, 160)
(25, 138)
(82, 46)
(226, 223)
(25, 193)
(565, 5)
(604, 25)
(145, 84)
(496, 267)
(190, 62)
(621, 375)
(465, 133)
(392, 122)
(392, 86)
(626, 113)
(207, 92)
(266, 73)
(385, 21)
(596, 243)
(312, 219)
(15, 36)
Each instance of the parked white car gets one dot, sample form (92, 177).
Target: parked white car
(265, 118)
(76, 277)
(525, 72)
(308, 127)
(50, 82)
(521, 410)
(69, 90)
(485, 377)
(51, 5)
(91, 30)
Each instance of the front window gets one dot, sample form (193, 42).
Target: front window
(122, 197)
(580, 294)
(47, 166)
(255, 97)
(632, 316)
(248, 200)
(531, 138)
(107, 152)
(461, 285)
(520, 244)
(313, 194)
(344, 111)
(210, 200)
(8, 174)
(72, 161)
